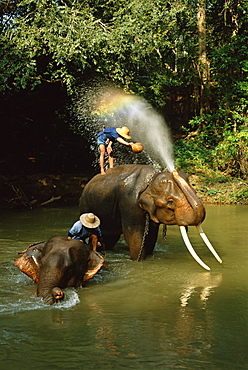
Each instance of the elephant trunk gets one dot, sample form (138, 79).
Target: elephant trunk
(48, 286)
(196, 214)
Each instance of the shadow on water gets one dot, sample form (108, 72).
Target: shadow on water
(165, 312)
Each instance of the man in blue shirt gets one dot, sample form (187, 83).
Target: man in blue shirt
(87, 227)
(106, 138)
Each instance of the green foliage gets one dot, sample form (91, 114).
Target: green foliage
(55, 40)
(129, 43)
(191, 155)
(231, 154)
(18, 70)
(218, 163)
(242, 195)
(147, 47)
(144, 46)
(228, 54)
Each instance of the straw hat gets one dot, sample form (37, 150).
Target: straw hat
(124, 131)
(89, 220)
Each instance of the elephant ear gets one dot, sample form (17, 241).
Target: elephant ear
(28, 263)
(156, 194)
(147, 203)
(28, 266)
(94, 264)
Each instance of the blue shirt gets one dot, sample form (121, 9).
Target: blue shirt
(79, 231)
(108, 133)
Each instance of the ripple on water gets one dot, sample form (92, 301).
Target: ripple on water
(27, 301)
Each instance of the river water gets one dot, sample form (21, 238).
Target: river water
(165, 312)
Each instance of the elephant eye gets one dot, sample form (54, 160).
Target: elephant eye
(170, 204)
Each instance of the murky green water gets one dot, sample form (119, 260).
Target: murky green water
(165, 312)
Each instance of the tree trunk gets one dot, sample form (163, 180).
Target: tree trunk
(203, 63)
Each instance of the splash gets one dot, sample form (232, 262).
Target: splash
(112, 107)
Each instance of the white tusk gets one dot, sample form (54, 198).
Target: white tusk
(208, 244)
(35, 260)
(191, 249)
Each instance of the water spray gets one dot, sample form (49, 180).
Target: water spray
(110, 106)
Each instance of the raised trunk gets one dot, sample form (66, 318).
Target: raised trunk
(196, 215)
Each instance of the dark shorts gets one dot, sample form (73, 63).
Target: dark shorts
(101, 139)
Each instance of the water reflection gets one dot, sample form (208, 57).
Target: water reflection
(165, 312)
(105, 338)
(204, 282)
(171, 328)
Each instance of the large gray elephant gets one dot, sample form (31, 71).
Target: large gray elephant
(134, 200)
(57, 264)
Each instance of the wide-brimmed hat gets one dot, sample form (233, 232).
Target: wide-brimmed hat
(89, 220)
(124, 131)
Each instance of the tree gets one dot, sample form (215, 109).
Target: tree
(203, 62)
(132, 44)
(147, 47)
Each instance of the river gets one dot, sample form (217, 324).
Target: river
(165, 312)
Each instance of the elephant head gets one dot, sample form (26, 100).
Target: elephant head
(170, 200)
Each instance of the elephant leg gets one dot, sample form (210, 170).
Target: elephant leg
(151, 237)
(142, 239)
(134, 236)
(110, 240)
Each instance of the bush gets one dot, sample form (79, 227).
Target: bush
(231, 154)
(191, 155)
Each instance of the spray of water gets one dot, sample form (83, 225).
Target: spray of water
(106, 105)
(148, 127)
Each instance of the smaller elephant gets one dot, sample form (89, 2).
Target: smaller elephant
(57, 264)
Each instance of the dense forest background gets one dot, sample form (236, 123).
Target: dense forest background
(188, 59)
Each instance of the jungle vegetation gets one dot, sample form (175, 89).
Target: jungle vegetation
(187, 58)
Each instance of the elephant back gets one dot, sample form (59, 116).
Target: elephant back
(109, 195)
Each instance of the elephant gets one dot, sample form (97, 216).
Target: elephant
(57, 264)
(135, 199)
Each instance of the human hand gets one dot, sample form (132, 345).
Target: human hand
(109, 149)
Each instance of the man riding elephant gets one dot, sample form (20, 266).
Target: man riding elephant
(87, 227)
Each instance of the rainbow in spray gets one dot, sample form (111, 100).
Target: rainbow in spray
(112, 100)
(118, 108)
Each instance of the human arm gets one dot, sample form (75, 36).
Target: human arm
(98, 232)
(109, 147)
(122, 141)
(102, 242)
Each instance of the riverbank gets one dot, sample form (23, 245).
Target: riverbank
(216, 189)
(42, 190)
